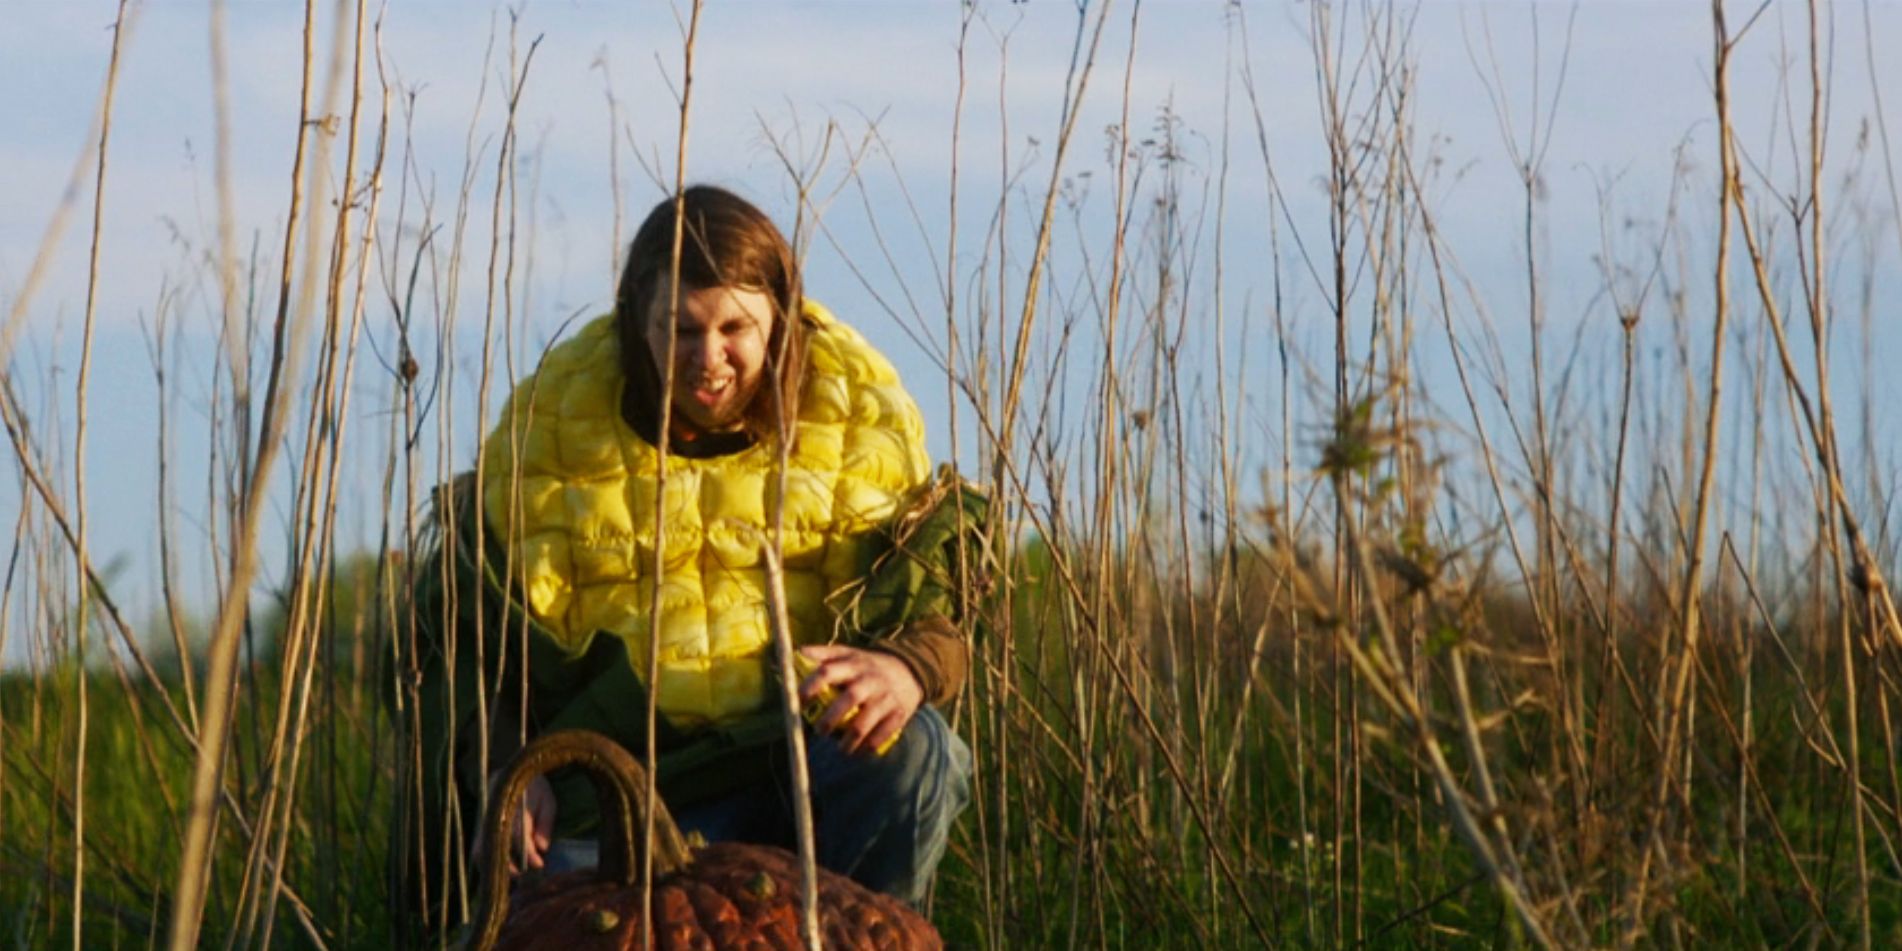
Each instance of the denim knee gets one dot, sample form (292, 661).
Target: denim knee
(885, 820)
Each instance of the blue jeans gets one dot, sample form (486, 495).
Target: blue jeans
(881, 820)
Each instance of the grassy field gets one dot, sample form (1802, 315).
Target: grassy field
(1584, 639)
(1096, 796)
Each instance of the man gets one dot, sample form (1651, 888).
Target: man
(764, 389)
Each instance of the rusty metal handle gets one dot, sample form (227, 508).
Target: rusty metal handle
(620, 789)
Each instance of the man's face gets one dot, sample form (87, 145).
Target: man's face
(720, 351)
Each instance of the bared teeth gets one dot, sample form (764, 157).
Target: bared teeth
(712, 386)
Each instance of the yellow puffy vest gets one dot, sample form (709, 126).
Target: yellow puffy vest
(571, 488)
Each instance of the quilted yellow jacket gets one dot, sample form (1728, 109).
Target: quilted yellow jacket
(572, 490)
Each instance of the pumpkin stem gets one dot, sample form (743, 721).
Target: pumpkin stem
(619, 788)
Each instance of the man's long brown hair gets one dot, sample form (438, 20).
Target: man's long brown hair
(725, 242)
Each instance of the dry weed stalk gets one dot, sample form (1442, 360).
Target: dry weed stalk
(289, 331)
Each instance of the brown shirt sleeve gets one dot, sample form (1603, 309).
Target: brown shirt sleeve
(936, 653)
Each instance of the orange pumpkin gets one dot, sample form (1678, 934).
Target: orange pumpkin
(720, 896)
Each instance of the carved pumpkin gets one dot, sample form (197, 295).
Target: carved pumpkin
(720, 896)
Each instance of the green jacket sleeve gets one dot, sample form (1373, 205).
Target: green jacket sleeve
(935, 563)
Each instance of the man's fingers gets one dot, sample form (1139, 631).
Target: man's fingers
(841, 667)
(538, 826)
(874, 695)
(888, 728)
(825, 652)
(855, 735)
(531, 856)
(533, 839)
(839, 713)
(880, 724)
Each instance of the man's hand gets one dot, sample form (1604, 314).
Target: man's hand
(537, 825)
(877, 694)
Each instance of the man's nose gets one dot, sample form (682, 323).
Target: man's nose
(701, 354)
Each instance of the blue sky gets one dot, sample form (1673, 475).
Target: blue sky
(1635, 88)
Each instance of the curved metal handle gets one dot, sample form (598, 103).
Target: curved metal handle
(620, 788)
